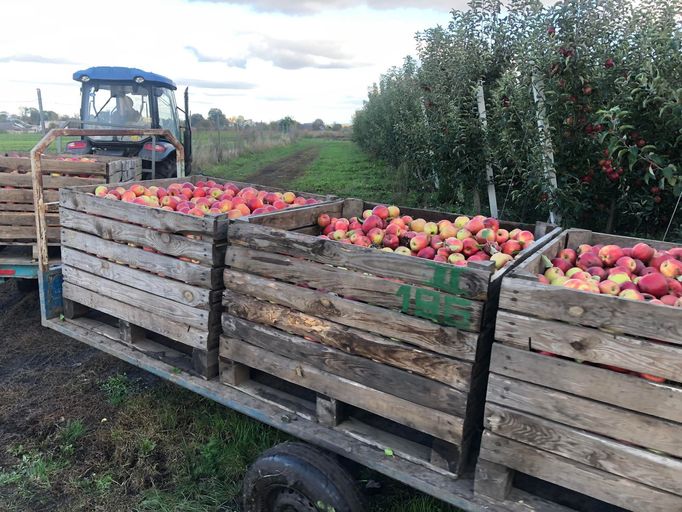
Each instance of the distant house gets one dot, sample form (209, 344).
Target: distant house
(18, 126)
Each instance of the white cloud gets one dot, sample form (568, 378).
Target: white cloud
(315, 6)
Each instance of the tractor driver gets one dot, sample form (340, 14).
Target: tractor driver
(126, 113)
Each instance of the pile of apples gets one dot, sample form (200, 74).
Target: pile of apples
(205, 198)
(457, 242)
(638, 273)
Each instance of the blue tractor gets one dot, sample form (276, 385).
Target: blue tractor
(120, 98)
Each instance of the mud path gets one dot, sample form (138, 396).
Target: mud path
(282, 172)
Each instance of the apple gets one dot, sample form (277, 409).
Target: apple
(671, 268)
(470, 247)
(653, 284)
(511, 247)
(101, 191)
(419, 242)
(454, 244)
(461, 221)
(391, 241)
(589, 259)
(501, 259)
(430, 228)
(501, 236)
(427, 253)
(609, 287)
(393, 212)
(563, 264)
(455, 257)
(381, 211)
(569, 255)
(417, 225)
(403, 250)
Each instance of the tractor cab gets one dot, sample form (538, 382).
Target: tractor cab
(120, 98)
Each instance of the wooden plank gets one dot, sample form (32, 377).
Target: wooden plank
(205, 251)
(171, 222)
(602, 453)
(611, 314)
(586, 414)
(413, 388)
(49, 182)
(164, 287)
(21, 207)
(461, 281)
(294, 218)
(437, 367)
(26, 219)
(26, 232)
(168, 266)
(329, 411)
(578, 477)
(436, 423)
(461, 313)
(658, 400)
(415, 331)
(493, 480)
(173, 330)
(233, 374)
(129, 333)
(22, 195)
(156, 305)
(52, 164)
(593, 345)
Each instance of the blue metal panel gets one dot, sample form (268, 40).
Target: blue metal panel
(21, 271)
(121, 74)
(50, 286)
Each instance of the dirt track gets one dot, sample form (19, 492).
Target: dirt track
(47, 379)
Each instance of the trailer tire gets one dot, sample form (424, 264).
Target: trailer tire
(296, 477)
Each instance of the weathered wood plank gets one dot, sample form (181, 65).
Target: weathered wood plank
(416, 331)
(437, 367)
(597, 417)
(396, 382)
(593, 345)
(462, 313)
(329, 411)
(294, 218)
(168, 266)
(420, 418)
(205, 251)
(26, 232)
(171, 222)
(52, 164)
(658, 400)
(26, 219)
(164, 287)
(23, 195)
(156, 305)
(25, 207)
(49, 182)
(461, 281)
(599, 452)
(578, 477)
(233, 374)
(173, 330)
(611, 314)
(493, 480)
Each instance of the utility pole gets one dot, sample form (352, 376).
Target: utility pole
(40, 111)
(490, 178)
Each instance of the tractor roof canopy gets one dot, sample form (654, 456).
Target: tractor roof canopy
(121, 74)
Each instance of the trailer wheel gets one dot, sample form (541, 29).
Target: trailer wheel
(296, 477)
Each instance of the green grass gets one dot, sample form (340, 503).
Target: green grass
(241, 168)
(18, 141)
(117, 388)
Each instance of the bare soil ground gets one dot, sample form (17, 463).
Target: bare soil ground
(280, 173)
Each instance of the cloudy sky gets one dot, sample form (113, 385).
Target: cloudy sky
(263, 59)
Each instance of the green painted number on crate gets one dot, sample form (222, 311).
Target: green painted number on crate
(446, 278)
(435, 306)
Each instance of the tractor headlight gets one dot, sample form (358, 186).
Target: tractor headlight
(85, 78)
(139, 79)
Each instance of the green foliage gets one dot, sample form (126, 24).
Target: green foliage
(611, 72)
(117, 388)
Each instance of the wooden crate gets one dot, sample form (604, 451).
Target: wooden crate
(403, 339)
(568, 420)
(17, 220)
(158, 272)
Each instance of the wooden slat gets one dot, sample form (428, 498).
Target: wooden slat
(393, 381)
(205, 251)
(658, 400)
(420, 418)
(416, 331)
(26, 232)
(611, 314)
(444, 369)
(465, 282)
(26, 219)
(294, 218)
(168, 266)
(599, 452)
(160, 307)
(461, 313)
(23, 195)
(49, 182)
(173, 330)
(53, 165)
(578, 477)
(593, 345)
(587, 414)
(169, 288)
(172, 222)
(21, 207)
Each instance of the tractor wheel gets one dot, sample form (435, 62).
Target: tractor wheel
(296, 477)
(166, 169)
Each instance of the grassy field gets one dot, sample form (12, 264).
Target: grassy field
(137, 443)
(18, 141)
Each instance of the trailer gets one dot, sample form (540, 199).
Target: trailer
(338, 414)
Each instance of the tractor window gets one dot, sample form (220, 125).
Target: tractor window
(168, 114)
(116, 106)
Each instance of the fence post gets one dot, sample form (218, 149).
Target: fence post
(490, 178)
(549, 171)
(40, 111)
